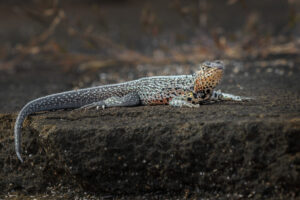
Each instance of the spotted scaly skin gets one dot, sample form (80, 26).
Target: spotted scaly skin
(183, 90)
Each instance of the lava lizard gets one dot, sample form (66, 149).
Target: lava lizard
(178, 91)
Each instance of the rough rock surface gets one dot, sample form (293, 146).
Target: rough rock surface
(147, 149)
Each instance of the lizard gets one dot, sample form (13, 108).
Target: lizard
(178, 91)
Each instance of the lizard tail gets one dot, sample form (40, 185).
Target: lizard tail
(26, 110)
(51, 102)
(17, 130)
(69, 99)
(29, 108)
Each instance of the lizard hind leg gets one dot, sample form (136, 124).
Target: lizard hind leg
(131, 99)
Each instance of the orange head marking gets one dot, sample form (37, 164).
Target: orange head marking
(208, 76)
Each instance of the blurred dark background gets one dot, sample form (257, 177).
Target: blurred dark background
(149, 28)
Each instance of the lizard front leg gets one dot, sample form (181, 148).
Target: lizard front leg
(186, 100)
(131, 99)
(218, 95)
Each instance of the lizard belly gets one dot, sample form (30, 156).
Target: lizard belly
(161, 98)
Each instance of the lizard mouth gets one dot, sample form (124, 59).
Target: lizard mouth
(218, 64)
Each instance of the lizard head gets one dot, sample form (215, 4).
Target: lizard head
(208, 76)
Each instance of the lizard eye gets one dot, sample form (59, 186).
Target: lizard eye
(207, 64)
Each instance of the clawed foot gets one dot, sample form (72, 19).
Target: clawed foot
(230, 97)
(218, 95)
(246, 98)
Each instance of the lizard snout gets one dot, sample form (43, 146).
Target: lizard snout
(218, 64)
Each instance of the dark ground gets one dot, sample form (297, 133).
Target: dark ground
(224, 150)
